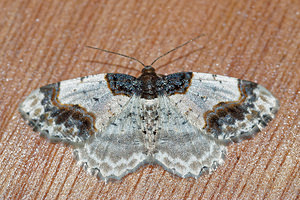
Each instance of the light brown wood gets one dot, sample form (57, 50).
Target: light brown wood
(44, 42)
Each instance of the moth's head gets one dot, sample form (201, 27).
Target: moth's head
(148, 70)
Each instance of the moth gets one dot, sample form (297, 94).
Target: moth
(117, 123)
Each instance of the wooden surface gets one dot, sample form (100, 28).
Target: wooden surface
(44, 42)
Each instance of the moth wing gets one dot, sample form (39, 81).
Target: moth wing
(197, 123)
(119, 149)
(183, 149)
(226, 108)
(72, 110)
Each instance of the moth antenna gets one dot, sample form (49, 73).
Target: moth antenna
(176, 48)
(132, 58)
(112, 52)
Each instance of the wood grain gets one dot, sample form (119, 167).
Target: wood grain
(44, 42)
